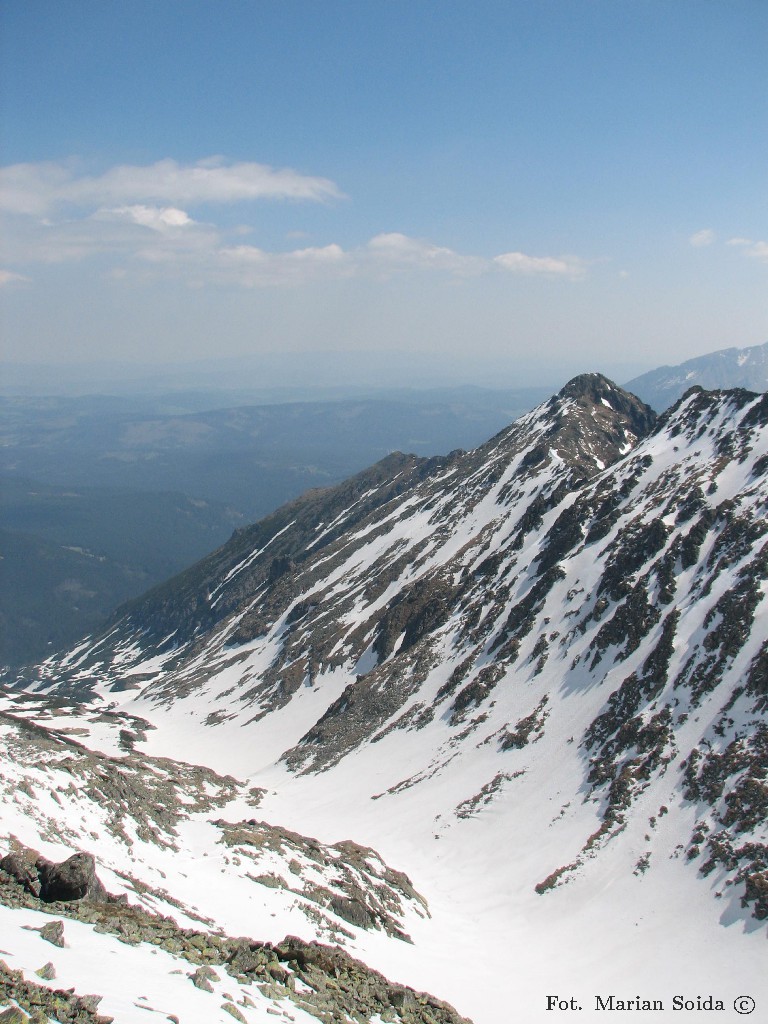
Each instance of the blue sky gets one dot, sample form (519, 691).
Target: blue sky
(545, 180)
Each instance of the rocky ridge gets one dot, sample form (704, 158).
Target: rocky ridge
(274, 579)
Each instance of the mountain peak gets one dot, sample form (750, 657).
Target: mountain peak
(598, 391)
(589, 424)
(588, 385)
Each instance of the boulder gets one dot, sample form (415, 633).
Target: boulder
(73, 879)
(53, 932)
(202, 978)
(233, 1011)
(13, 1015)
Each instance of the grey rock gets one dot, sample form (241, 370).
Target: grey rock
(403, 999)
(89, 1002)
(233, 1011)
(202, 978)
(53, 932)
(73, 879)
(353, 911)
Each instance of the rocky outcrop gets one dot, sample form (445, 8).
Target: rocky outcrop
(72, 879)
(142, 798)
(324, 981)
(21, 869)
(350, 881)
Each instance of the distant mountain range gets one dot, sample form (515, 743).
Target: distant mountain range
(727, 368)
(252, 457)
(527, 684)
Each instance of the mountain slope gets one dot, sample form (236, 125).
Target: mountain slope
(727, 368)
(533, 676)
(253, 457)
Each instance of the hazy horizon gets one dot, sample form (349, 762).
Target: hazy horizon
(323, 372)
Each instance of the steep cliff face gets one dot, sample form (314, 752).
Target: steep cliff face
(545, 658)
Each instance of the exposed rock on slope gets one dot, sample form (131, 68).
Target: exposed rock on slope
(379, 541)
(73, 879)
(434, 585)
(54, 786)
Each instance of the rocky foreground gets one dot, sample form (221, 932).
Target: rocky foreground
(324, 981)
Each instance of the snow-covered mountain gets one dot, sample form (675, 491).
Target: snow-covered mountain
(526, 685)
(727, 368)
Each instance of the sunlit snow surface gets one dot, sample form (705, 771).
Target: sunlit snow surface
(493, 946)
(138, 983)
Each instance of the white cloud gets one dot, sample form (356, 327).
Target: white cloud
(384, 254)
(158, 218)
(37, 188)
(8, 277)
(121, 233)
(133, 216)
(393, 250)
(701, 238)
(253, 267)
(55, 213)
(169, 240)
(322, 254)
(757, 250)
(244, 254)
(520, 263)
(252, 254)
